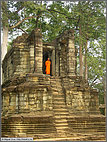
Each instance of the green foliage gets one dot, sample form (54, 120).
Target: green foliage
(102, 110)
(9, 46)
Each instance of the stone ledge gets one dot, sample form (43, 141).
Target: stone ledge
(31, 114)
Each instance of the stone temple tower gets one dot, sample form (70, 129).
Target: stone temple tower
(60, 106)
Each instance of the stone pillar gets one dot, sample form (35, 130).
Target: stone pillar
(38, 51)
(17, 103)
(31, 58)
(53, 62)
(57, 63)
(71, 59)
(12, 102)
(5, 102)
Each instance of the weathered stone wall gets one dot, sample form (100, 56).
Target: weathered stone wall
(63, 61)
(38, 51)
(8, 66)
(66, 54)
(26, 55)
(21, 60)
(79, 96)
(71, 58)
(16, 62)
(82, 101)
(57, 62)
(31, 57)
(27, 101)
(28, 97)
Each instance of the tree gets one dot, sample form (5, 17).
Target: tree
(89, 24)
(5, 28)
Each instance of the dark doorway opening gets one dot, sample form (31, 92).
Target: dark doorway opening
(46, 55)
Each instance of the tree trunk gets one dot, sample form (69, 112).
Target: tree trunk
(5, 33)
(5, 29)
(80, 51)
(86, 69)
(104, 85)
(4, 42)
(4, 47)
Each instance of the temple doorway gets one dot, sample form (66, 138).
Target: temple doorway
(47, 54)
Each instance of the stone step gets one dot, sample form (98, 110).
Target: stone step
(31, 132)
(52, 80)
(33, 124)
(57, 112)
(55, 82)
(55, 93)
(74, 122)
(88, 127)
(61, 93)
(60, 110)
(59, 103)
(58, 96)
(61, 124)
(59, 106)
(44, 132)
(61, 127)
(60, 116)
(59, 90)
(43, 137)
(59, 99)
(56, 79)
(28, 128)
(71, 138)
(32, 127)
(60, 121)
(56, 86)
(87, 130)
(87, 123)
(82, 130)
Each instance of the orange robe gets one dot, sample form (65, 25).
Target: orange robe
(47, 64)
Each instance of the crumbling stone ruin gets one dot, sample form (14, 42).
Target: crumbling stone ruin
(60, 105)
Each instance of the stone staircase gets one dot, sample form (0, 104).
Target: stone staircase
(68, 125)
(59, 107)
(91, 127)
(36, 127)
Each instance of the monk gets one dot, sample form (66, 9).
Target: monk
(47, 64)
